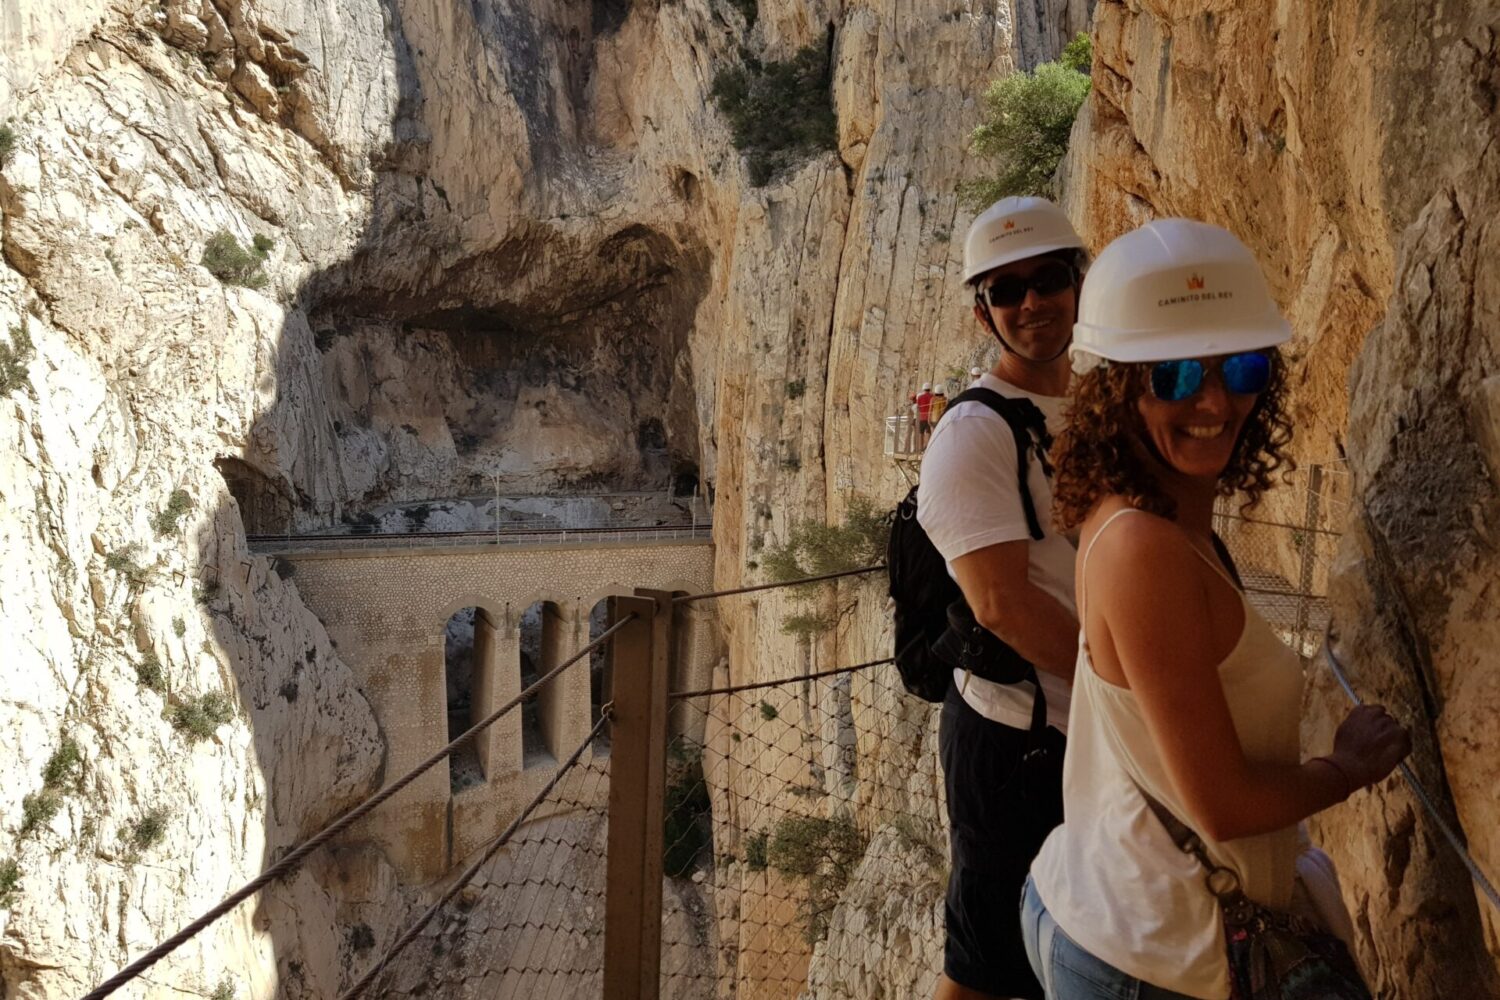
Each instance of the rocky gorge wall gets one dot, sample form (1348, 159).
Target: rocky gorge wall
(513, 237)
(1352, 146)
(466, 213)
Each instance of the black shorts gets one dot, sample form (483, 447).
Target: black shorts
(999, 812)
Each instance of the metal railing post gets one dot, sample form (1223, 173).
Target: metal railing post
(1308, 553)
(637, 780)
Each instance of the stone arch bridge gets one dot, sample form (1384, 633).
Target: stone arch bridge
(386, 603)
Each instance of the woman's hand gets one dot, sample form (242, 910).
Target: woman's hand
(1369, 744)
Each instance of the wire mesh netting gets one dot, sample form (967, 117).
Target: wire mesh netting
(1285, 549)
(531, 922)
(776, 800)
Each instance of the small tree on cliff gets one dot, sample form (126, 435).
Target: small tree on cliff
(1027, 120)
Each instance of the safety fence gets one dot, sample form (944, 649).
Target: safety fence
(1285, 548)
(739, 840)
(336, 542)
(774, 795)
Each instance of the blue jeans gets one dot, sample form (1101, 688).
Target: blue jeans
(1067, 971)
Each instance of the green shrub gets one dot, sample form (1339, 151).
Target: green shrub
(65, 765)
(687, 820)
(233, 264)
(768, 711)
(150, 673)
(779, 112)
(816, 549)
(822, 853)
(199, 718)
(166, 520)
(206, 593)
(8, 141)
(179, 627)
(37, 810)
(796, 388)
(755, 850)
(14, 357)
(10, 883)
(687, 823)
(123, 561)
(1079, 53)
(808, 625)
(147, 831)
(1024, 132)
(224, 991)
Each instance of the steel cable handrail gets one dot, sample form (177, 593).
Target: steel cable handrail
(293, 859)
(784, 680)
(689, 598)
(1475, 872)
(411, 932)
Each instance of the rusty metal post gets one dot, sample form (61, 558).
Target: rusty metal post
(637, 779)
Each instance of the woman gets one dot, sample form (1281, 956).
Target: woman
(1182, 691)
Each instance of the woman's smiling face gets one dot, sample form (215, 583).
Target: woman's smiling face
(1196, 436)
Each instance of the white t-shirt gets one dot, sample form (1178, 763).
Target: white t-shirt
(968, 499)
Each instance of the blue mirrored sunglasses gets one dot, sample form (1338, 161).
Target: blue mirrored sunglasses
(1245, 374)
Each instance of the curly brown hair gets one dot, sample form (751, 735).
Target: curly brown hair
(1096, 455)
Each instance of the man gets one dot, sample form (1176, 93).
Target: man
(939, 405)
(1023, 261)
(924, 413)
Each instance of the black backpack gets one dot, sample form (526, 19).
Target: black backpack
(935, 631)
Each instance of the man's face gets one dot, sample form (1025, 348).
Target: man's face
(1038, 326)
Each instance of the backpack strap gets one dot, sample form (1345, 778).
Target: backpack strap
(1029, 427)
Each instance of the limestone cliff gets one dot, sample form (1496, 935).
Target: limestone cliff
(490, 238)
(1352, 146)
(510, 240)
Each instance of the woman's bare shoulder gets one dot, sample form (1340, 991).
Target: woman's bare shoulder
(1137, 549)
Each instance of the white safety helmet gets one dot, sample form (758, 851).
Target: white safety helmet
(975, 372)
(926, 386)
(1173, 289)
(1013, 229)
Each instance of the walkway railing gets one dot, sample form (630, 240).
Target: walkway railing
(343, 541)
(766, 801)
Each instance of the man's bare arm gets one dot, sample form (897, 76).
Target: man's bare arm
(1000, 593)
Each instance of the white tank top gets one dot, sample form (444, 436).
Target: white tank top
(1110, 875)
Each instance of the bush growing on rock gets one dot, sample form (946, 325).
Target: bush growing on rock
(779, 112)
(8, 140)
(147, 831)
(1027, 120)
(755, 850)
(37, 810)
(166, 520)
(686, 809)
(232, 264)
(224, 990)
(14, 357)
(65, 765)
(10, 883)
(822, 853)
(122, 561)
(199, 718)
(150, 673)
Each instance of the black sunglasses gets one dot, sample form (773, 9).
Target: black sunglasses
(1050, 278)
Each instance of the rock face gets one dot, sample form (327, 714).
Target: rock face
(510, 240)
(1353, 150)
(505, 239)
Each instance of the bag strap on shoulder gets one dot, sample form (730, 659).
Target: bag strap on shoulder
(1028, 425)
